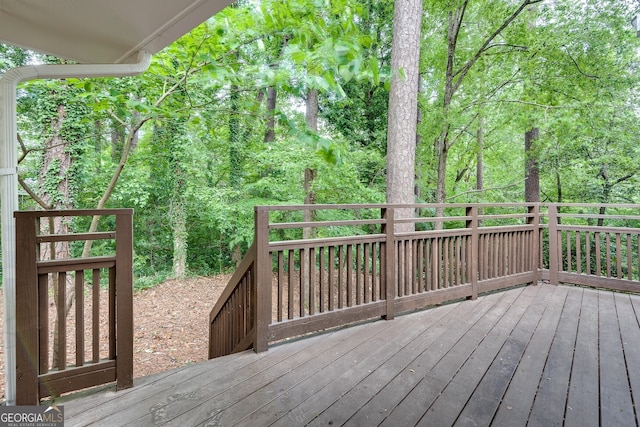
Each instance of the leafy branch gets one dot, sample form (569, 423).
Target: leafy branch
(462, 72)
(485, 190)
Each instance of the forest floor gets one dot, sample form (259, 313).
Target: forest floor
(170, 325)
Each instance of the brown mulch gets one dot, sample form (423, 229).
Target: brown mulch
(170, 325)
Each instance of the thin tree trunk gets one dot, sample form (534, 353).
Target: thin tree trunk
(310, 174)
(532, 173)
(453, 80)
(178, 219)
(480, 157)
(235, 160)
(450, 87)
(272, 96)
(480, 161)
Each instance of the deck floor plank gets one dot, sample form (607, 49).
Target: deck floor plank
(181, 394)
(432, 385)
(583, 401)
(147, 389)
(537, 355)
(449, 404)
(329, 407)
(486, 398)
(630, 333)
(615, 396)
(518, 399)
(306, 381)
(213, 406)
(338, 377)
(429, 367)
(550, 402)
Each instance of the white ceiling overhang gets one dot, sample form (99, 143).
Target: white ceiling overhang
(101, 31)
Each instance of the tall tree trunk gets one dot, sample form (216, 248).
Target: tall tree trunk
(272, 96)
(235, 161)
(450, 87)
(480, 161)
(235, 156)
(178, 219)
(453, 80)
(56, 194)
(310, 174)
(117, 141)
(480, 157)
(532, 173)
(170, 135)
(403, 106)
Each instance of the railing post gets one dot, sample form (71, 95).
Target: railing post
(473, 273)
(262, 280)
(534, 221)
(124, 299)
(27, 389)
(388, 229)
(553, 244)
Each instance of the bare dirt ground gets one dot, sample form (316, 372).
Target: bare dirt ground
(170, 325)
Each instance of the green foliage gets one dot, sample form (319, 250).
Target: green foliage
(548, 69)
(570, 69)
(149, 280)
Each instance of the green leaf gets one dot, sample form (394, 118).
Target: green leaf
(375, 71)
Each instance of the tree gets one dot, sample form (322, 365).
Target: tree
(201, 116)
(531, 171)
(456, 74)
(403, 105)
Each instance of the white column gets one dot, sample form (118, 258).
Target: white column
(9, 204)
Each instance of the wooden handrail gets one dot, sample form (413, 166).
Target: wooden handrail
(245, 265)
(75, 237)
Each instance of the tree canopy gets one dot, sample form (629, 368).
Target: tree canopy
(217, 125)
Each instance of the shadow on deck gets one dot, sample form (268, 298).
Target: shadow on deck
(543, 355)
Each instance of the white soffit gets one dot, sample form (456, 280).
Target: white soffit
(101, 31)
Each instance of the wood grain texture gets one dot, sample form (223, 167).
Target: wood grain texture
(528, 355)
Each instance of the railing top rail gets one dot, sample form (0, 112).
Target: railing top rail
(595, 205)
(449, 217)
(317, 224)
(599, 229)
(72, 212)
(241, 270)
(598, 216)
(392, 205)
(327, 241)
(72, 237)
(437, 205)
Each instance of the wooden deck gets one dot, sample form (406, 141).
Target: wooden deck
(543, 355)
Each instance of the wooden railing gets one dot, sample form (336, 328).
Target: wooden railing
(287, 288)
(593, 245)
(98, 360)
(232, 320)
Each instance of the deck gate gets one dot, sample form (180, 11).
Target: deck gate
(98, 360)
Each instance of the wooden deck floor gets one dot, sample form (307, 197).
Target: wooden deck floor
(538, 355)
